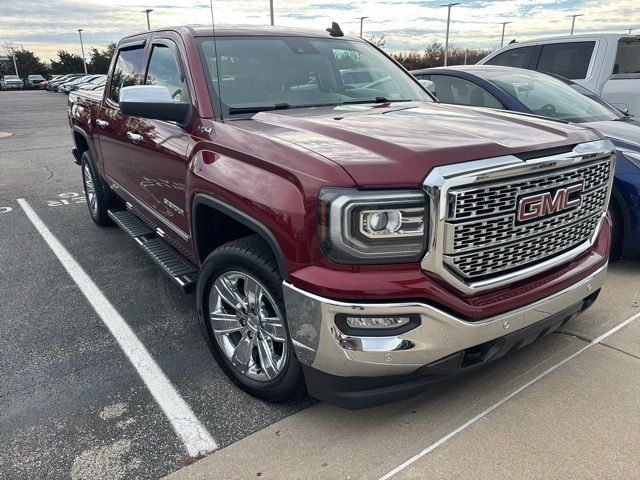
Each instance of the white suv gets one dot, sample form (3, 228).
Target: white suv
(607, 64)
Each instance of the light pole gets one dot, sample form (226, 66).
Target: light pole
(148, 11)
(271, 11)
(631, 30)
(13, 55)
(573, 21)
(84, 62)
(504, 24)
(361, 22)
(446, 42)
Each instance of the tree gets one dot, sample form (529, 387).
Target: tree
(67, 63)
(433, 56)
(29, 64)
(101, 59)
(378, 41)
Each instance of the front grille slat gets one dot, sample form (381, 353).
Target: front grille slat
(483, 240)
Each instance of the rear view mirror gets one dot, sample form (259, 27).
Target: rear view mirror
(150, 101)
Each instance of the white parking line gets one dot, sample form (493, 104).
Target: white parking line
(194, 436)
(482, 414)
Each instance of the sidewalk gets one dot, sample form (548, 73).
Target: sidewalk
(580, 421)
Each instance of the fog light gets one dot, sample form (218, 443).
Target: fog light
(377, 322)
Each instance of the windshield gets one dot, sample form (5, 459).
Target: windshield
(550, 97)
(11, 77)
(269, 73)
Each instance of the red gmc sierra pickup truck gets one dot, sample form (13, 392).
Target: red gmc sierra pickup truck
(343, 230)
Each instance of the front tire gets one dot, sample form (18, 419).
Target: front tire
(617, 232)
(243, 317)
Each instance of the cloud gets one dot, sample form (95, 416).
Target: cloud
(46, 26)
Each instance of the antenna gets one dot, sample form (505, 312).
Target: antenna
(335, 30)
(215, 50)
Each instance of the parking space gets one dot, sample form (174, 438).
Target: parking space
(72, 402)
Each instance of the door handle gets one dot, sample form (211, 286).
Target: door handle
(102, 123)
(134, 137)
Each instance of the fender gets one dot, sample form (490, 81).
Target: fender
(76, 153)
(241, 217)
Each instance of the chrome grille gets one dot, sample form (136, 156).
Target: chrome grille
(483, 240)
(493, 199)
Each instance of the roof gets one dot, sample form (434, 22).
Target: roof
(224, 30)
(613, 36)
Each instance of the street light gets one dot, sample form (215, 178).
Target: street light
(148, 11)
(84, 62)
(271, 11)
(446, 43)
(504, 24)
(361, 22)
(573, 21)
(632, 29)
(13, 55)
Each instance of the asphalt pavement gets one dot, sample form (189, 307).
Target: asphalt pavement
(73, 405)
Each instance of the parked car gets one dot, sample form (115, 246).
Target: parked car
(536, 93)
(11, 82)
(53, 85)
(606, 64)
(97, 81)
(34, 81)
(365, 240)
(73, 84)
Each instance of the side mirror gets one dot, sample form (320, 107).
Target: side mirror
(429, 85)
(150, 101)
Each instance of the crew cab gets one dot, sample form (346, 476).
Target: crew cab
(361, 240)
(606, 64)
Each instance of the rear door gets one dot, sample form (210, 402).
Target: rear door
(158, 158)
(111, 125)
(571, 59)
(622, 88)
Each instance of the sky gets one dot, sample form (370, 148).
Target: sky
(46, 26)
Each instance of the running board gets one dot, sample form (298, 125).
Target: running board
(173, 263)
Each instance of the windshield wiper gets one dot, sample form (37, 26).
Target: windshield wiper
(256, 109)
(375, 100)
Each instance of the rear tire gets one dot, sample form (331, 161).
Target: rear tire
(243, 318)
(99, 198)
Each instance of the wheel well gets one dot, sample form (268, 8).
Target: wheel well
(214, 227)
(81, 143)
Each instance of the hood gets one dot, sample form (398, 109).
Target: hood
(620, 131)
(397, 145)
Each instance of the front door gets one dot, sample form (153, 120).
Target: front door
(159, 156)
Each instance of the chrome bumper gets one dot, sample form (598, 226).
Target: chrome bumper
(319, 343)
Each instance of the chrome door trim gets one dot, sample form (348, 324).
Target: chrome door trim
(182, 234)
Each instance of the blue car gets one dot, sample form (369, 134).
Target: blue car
(536, 93)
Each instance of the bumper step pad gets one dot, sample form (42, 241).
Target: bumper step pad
(173, 263)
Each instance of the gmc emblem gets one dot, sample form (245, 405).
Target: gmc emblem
(544, 204)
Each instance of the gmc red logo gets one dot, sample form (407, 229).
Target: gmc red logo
(544, 204)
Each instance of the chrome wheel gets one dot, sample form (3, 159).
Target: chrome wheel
(248, 326)
(90, 190)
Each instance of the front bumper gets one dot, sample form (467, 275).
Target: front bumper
(377, 367)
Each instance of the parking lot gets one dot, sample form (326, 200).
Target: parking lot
(72, 403)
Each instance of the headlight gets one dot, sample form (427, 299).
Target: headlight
(381, 226)
(633, 157)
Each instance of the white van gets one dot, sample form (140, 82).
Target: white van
(607, 64)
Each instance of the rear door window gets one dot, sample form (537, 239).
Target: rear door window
(516, 57)
(126, 71)
(627, 57)
(570, 60)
